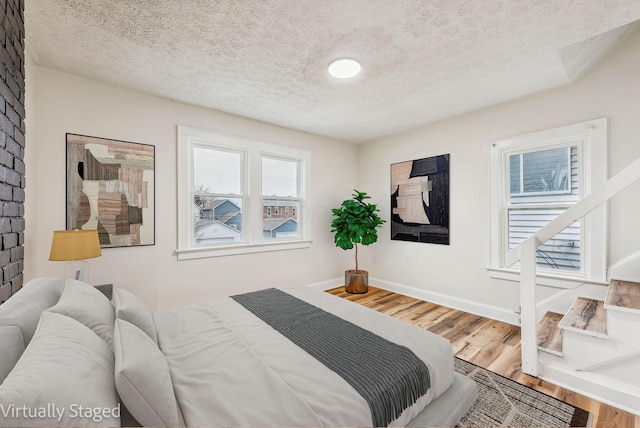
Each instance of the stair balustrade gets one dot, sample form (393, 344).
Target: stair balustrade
(526, 253)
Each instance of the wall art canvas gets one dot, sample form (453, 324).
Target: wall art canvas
(111, 187)
(420, 200)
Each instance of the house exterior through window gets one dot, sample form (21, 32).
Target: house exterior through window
(235, 195)
(536, 177)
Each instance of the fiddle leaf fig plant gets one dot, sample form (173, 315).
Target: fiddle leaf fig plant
(356, 222)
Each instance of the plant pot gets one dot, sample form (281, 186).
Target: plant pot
(356, 281)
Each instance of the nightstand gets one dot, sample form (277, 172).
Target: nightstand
(106, 289)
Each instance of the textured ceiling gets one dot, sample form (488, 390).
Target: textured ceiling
(423, 61)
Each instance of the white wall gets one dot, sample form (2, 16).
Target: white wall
(64, 103)
(611, 90)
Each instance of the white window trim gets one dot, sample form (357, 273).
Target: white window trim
(593, 155)
(252, 213)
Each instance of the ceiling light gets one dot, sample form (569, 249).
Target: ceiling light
(344, 68)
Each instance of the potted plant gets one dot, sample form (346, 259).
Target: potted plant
(356, 222)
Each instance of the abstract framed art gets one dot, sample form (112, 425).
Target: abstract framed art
(420, 200)
(111, 188)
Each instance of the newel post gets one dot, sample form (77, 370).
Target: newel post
(529, 335)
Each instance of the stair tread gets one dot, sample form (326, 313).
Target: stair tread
(550, 334)
(587, 316)
(623, 295)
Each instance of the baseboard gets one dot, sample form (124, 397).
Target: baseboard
(327, 285)
(481, 309)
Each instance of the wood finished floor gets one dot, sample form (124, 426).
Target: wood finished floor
(491, 344)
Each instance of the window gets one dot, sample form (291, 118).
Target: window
(280, 190)
(534, 178)
(232, 192)
(218, 195)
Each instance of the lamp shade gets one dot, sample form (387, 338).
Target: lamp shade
(74, 245)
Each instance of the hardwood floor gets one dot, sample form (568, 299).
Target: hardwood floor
(487, 343)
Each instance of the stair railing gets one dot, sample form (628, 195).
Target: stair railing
(526, 253)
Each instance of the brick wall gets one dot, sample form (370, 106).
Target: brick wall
(12, 141)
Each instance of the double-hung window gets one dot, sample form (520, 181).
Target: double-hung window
(536, 177)
(280, 192)
(237, 195)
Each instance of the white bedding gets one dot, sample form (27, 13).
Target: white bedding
(229, 368)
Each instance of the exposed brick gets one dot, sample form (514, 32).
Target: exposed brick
(9, 176)
(19, 108)
(13, 116)
(12, 143)
(5, 92)
(9, 240)
(17, 225)
(18, 166)
(18, 44)
(16, 283)
(6, 126)
(18, 135)
(13, 83)
(5, 292)
(5, 257)
(5, 227)
(6, 192)
(11, 270)
(6, 158)
(13, 147)
(17, 253)
(10, 210)
(18, 194)
(5, 57)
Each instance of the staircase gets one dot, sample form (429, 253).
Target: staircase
(595, 333)
(590, 346)
(599, 339)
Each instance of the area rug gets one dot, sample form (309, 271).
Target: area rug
(504, 403)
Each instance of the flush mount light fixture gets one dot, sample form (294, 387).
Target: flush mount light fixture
(344, 68)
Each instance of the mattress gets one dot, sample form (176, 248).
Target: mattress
(229, 368)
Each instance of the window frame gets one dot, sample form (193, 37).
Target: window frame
(296, 198)
(591, 138)
(243, 187)
(252, 209)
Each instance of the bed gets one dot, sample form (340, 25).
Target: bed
(219, 363)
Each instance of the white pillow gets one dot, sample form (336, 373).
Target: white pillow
(85, 304)
(130, 308)
(142, 377)
(23, 309)
(64, 367)
(11, 347)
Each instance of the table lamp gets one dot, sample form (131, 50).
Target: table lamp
(75, 246)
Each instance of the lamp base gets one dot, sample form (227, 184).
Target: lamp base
(77, 270)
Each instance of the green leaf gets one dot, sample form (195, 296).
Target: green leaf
(355, 222)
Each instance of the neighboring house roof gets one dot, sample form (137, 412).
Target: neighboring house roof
(216, 203)
(228, 216)
(203, 224)
(272, 223)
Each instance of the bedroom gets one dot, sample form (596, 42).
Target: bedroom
(59, 102)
